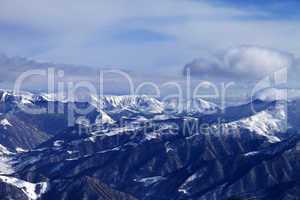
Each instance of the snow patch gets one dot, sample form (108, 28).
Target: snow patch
(20, 150)
(252, 153)
(32, 190)
(184, 191)
(58, 143)
(147, 181)
(6, 165)
(5, 123)
(4, 150)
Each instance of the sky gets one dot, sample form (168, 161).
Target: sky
(216, 39)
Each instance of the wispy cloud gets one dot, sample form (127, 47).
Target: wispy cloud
(146, 36)
(111, 33)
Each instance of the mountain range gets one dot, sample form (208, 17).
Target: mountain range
(138, 147)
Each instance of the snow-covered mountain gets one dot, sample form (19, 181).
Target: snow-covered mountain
(266, 123)
(143, 103)
(104, 118)
(116, 106)
(139, 103)
(191, 106)
(32, 191)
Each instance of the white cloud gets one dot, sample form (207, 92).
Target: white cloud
(256, 61)
(243, 62)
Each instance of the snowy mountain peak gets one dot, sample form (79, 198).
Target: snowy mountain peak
(104, 118)
(10, 96)
(206, 105)
(191, 106)
(266, 123)
(143, 103)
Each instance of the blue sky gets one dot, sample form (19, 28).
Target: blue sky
(161, 37)
(280, 10)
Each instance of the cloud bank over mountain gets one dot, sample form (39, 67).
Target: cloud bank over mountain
(242, 63)
(113, 80)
